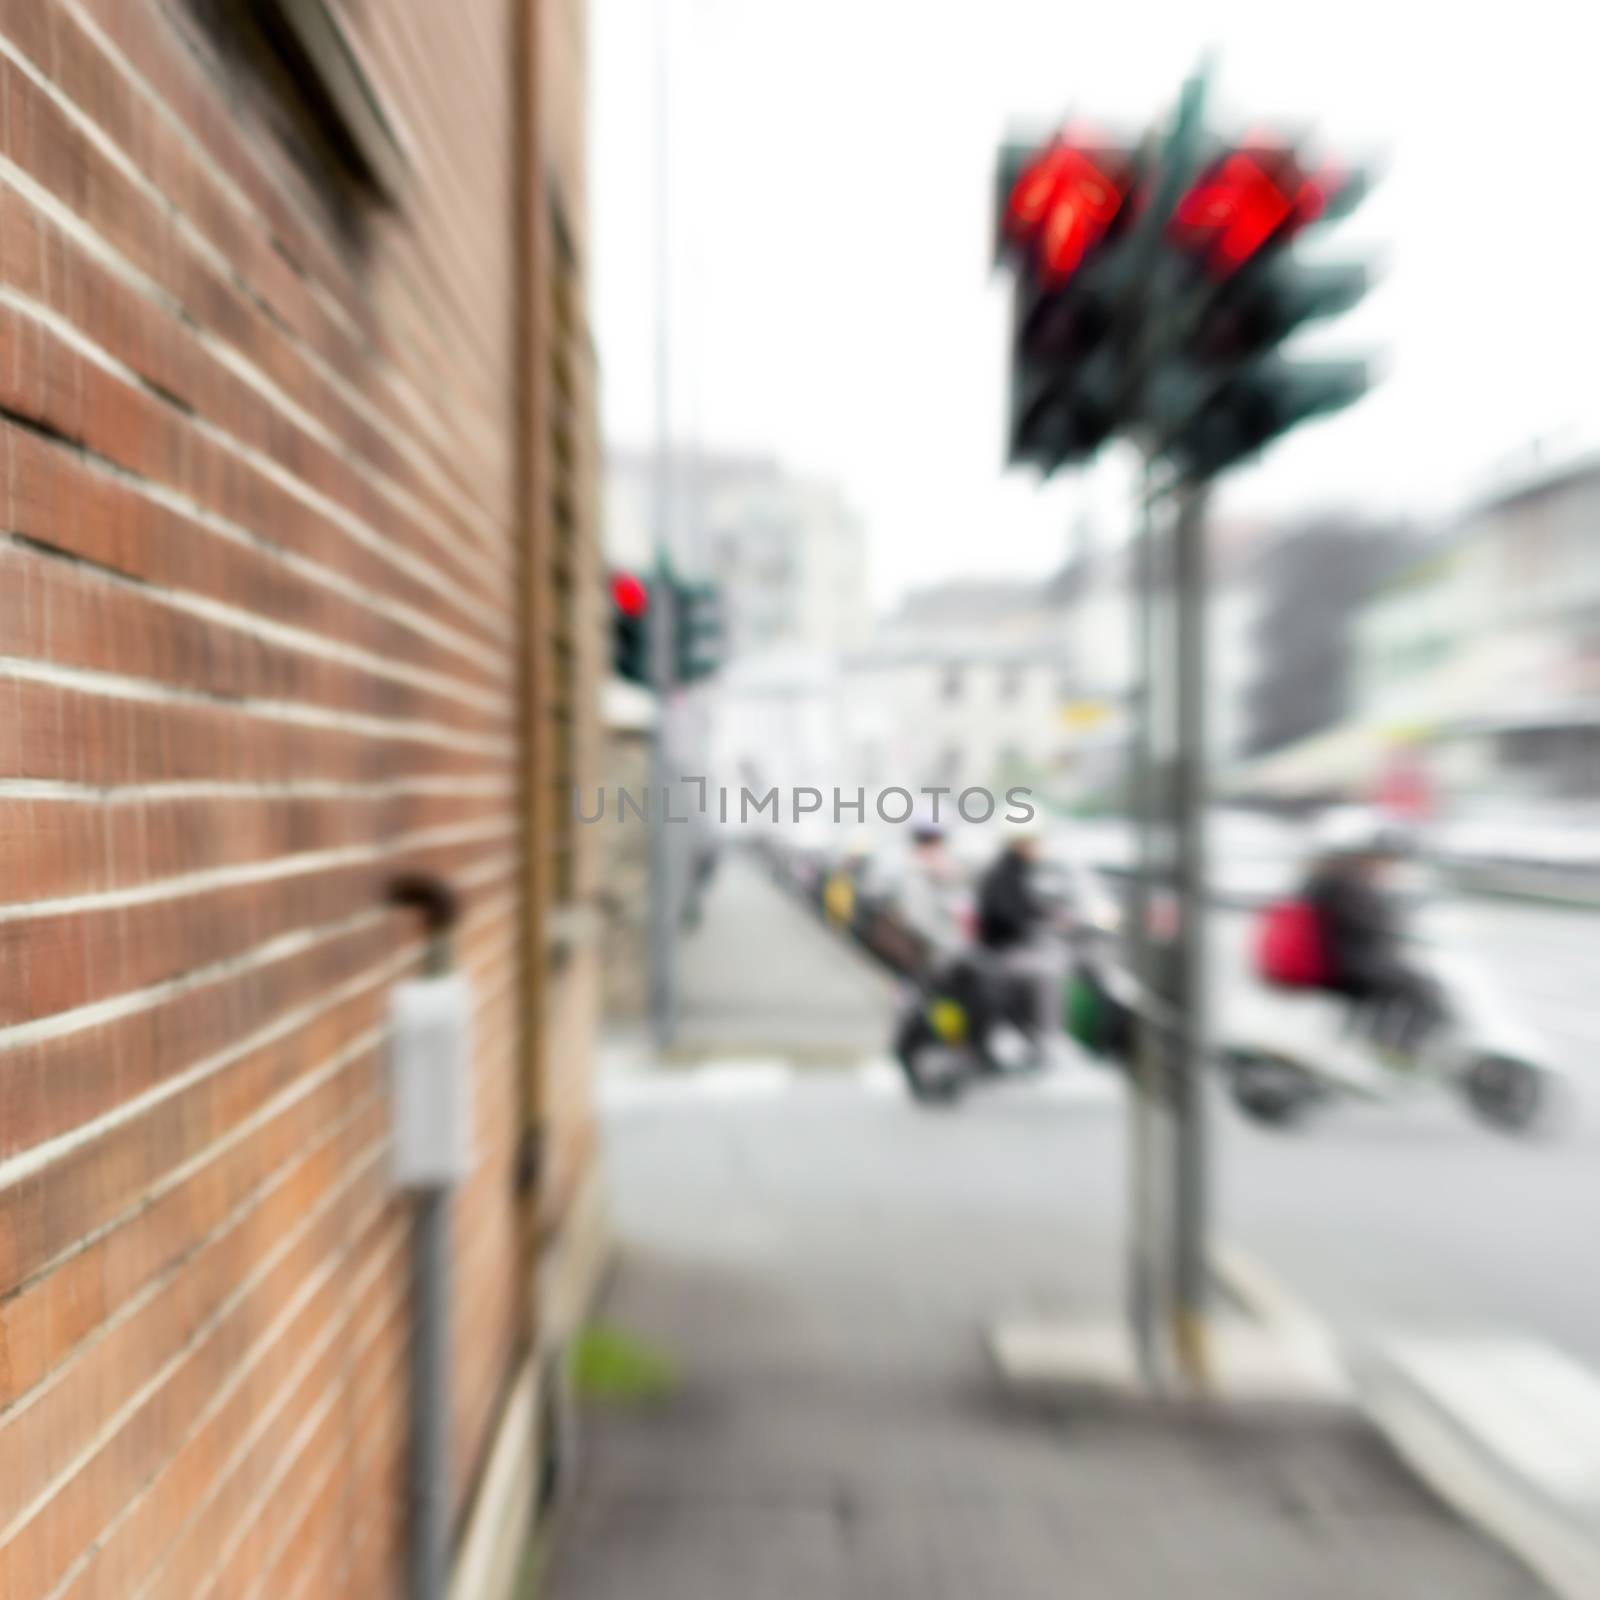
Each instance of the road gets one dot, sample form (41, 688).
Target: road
(1380, 1219)
(1414, 1217)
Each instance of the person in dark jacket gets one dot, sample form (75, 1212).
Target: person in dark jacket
(1013, 916)
(1010, 909)
(1364, 939)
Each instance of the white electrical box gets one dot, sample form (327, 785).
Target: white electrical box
(430, 1075)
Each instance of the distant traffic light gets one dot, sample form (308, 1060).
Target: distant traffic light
(698, 630)
(630, 628)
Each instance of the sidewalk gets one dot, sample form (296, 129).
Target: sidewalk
(762, 977)
(818, 1266)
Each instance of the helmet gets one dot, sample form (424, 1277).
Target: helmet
(1356, 831)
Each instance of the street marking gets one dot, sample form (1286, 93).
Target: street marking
(770, 1078)
(716, 1080)
(883, 1080)
(744, 1080)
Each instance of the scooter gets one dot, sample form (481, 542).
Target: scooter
(936, 1038)
(1287, 1057)
(937, 1041)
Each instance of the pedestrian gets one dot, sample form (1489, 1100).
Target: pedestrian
(928, 902)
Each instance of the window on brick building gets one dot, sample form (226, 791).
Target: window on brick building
(292, 63)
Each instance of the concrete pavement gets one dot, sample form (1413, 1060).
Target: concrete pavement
(760, 977)
(819, 1263)
(820, 1259)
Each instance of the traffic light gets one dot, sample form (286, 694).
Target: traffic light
(698, 630)
(1259, 403)
(630, 628)
(1220, 394)
(1062, 212)
(1061, 204)
(1153, 286)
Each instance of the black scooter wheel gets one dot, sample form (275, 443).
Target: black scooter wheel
(1269, 1090)
(935, 1074)
(1507, 1093)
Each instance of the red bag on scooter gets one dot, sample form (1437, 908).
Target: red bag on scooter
(1290, 950)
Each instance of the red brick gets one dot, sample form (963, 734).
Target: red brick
(261, 598)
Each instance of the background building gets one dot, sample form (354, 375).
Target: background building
(1487, 652)
(1310, 580)
(298, 591)
(961, 686)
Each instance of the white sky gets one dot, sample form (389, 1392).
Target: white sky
(830, 168)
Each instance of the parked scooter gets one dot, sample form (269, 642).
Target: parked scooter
(937, 1041)
(937, 1038)
(1287, 1059)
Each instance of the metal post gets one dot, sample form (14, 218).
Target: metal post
(1161, 1268)
(663, 879)
(430, 1447)
(1190, 1176)
(430, 1347)
(663, 976)
(1144, 1104)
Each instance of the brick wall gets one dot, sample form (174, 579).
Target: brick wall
(570, 619)
(260, 581)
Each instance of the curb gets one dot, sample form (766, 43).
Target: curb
(1504, 1430)
(1507, 1431)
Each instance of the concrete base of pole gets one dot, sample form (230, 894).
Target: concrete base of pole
(1246, 1363)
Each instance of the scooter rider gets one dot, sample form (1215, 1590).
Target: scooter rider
(1363, 937)
(1013, 917)
(1011, 911)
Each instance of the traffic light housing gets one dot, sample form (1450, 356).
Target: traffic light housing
(698, 629)
(1220, 395)
(1062, 213)
(1152, 288)
(630, 628)
(1259, 403)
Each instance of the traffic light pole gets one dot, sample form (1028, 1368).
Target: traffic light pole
(1164, 1184)
(1147, 1207)
(663, 888)
(663, 975)
(1191, 1176)
(1170, 265)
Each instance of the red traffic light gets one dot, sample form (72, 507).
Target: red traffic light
(1245, 200)
(1062, 204)
(629, 594)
